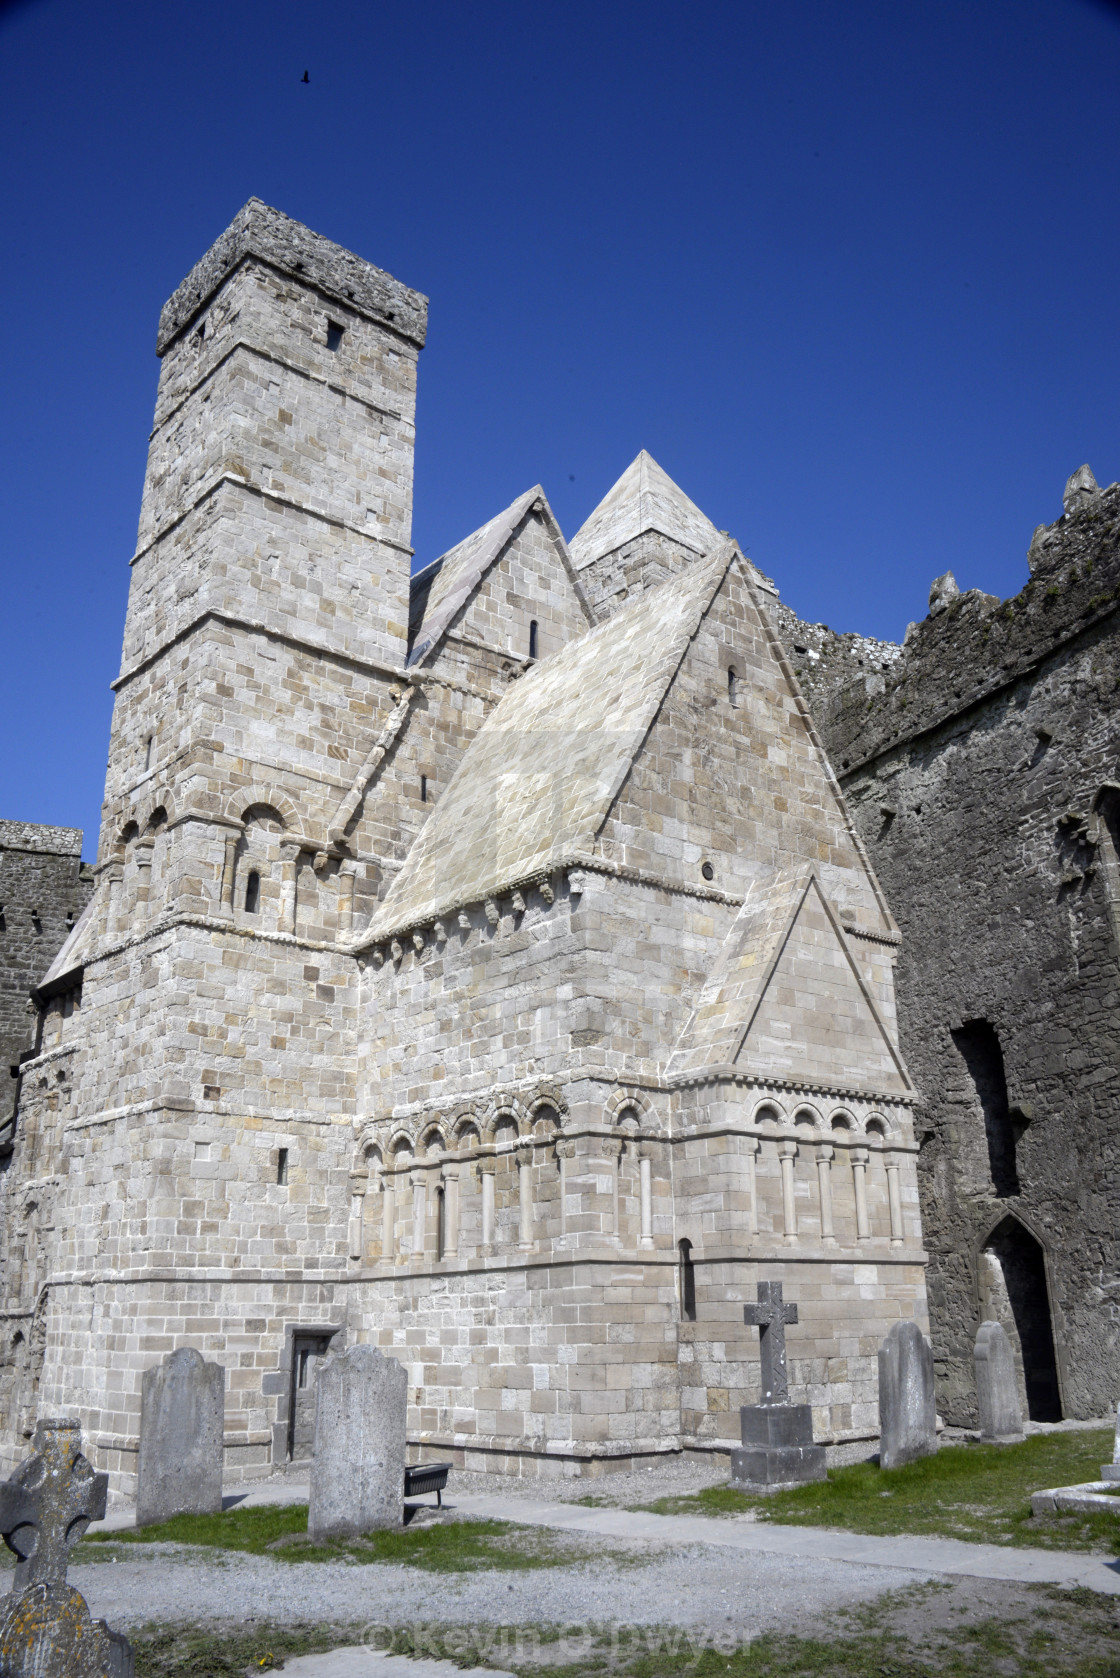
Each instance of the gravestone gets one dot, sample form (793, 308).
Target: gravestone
(907, 1412)
(1111, 1470)
(182, 1427)
(777, 1436)
(997, 1390)
(357, 1475)
(46, 1630)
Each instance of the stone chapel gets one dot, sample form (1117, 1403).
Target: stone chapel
(481, 963)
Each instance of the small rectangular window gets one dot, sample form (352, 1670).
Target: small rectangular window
(533, 639)
(334, 334)
(423, 789)
(282, 1166)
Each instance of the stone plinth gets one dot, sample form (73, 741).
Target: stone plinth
(997, 1391)
(182, 1424)
(907, 1412)
(357, 1476)
(777, 1449)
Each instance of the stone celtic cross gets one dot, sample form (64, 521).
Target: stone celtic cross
(770, 1317)
(46, 1630)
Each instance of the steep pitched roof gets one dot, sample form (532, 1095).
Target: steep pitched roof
(66, 968)
(644, 498)
(442, 589)
(536, 782)
(785, 996)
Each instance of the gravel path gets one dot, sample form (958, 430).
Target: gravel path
(638, 1584)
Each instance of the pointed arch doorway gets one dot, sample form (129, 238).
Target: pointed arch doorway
(1020, 1261)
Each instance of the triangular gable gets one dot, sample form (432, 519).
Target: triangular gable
(786, 1000)
(440, 592)
(644, 498)
(536, 781)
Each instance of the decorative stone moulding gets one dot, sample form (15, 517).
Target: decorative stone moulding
(464, 921)
(492, 912)
(518, 902)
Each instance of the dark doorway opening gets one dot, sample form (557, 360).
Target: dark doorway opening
(307, 1352)
(979, 1047)
(1024, 1272)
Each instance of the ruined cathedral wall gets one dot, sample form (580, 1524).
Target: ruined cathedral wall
(979, 779)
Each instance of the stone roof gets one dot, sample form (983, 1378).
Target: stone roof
(787, 943)
(260, 231)
(439, 592)
(539, 778)
(644, 498)
(67, 967)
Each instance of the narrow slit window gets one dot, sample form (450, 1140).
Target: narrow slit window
(334, 334)
(688, 1282)
(252, 893)
(533, 639)
(282, 1166)
(733, 687)
(423, 789)
(148, 751)
(304, 1364)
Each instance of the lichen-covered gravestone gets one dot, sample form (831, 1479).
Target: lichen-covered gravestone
(907, 1410)
(46, 1630)
(357, 1475)
(182, 1426)
(997, 1390)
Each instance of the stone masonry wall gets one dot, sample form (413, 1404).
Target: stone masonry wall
(978, 761)
(43, 889)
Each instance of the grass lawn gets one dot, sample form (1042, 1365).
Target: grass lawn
(976, 1492)
(280, 1530)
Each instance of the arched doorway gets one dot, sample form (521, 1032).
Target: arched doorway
(1023, 1264)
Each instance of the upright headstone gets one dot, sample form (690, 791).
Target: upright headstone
(182, 1425)
(1111, 1470)
(357, 1474)
(777, 1437)
(46, 1630)
(997, 1390)
(907, 1412)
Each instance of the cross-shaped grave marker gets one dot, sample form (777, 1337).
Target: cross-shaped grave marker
(48, 1503)
(770, 1317)
(45, 1628)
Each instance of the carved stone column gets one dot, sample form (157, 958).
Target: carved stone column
(289, 858)
(525, 1195)
(894, 1196)
(143, 907)
(450, 1177)
(229, 869)
(346, 897)
(824, 1183)
(359, 1183)
(787, 1153)
(645, 1194)
(486, 1174)
(388, 1219)
(859, 1178)
(750, 1146)
(565, 1153)
(419, 1180)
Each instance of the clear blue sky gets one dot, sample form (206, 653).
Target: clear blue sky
(848, 270)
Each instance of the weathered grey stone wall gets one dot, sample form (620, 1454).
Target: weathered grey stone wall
(43, 889)
(977, 761)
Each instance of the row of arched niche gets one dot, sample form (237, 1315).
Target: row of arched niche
(628, 1115)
